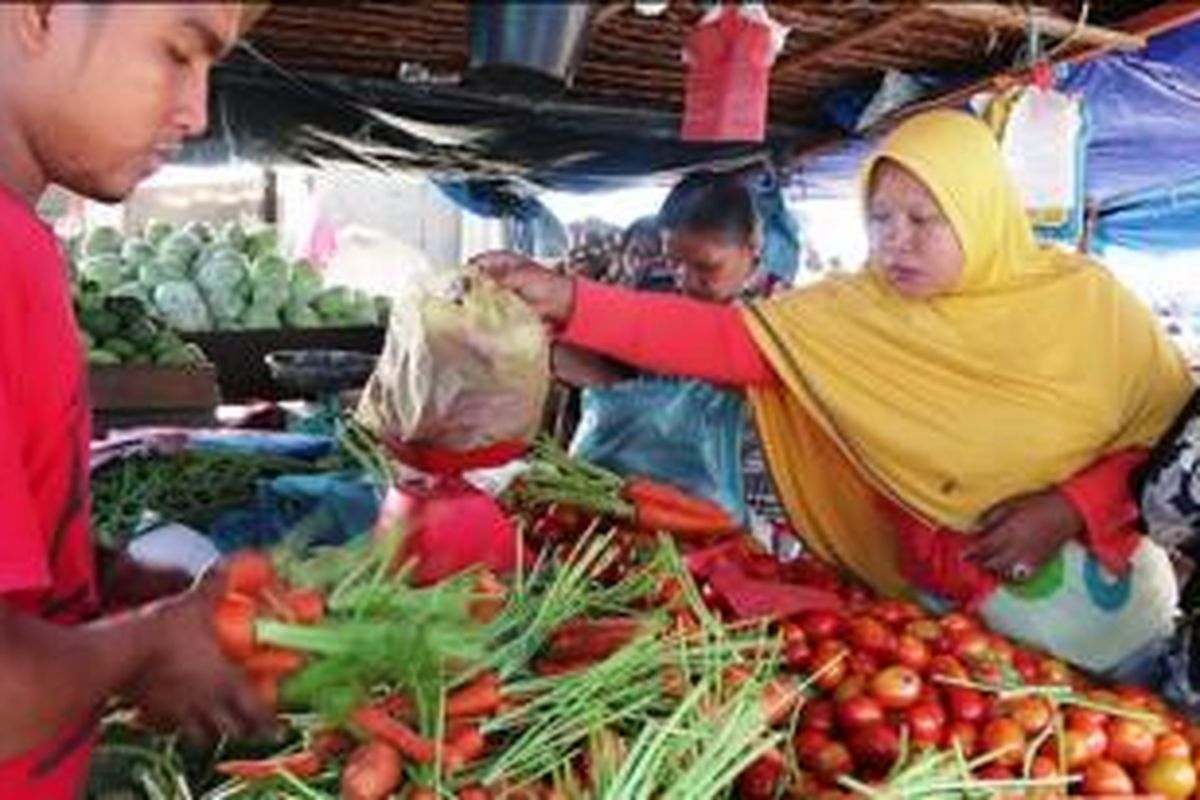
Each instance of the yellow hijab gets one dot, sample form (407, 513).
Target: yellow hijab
(1037, 364)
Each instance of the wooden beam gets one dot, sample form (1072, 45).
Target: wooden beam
(803, 60)
(1017, 18)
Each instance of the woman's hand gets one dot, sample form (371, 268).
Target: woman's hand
(551, 295)
(1021, 534)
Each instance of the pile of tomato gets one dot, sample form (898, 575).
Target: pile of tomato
(888, 677)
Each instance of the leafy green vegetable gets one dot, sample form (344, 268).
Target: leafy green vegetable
(180, 304)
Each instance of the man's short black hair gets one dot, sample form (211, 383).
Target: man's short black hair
(711, 202)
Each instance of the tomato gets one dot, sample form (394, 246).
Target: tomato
(946, 666)
(829, 664)
(1083, 745)
(792, 631)
(925, 722)
(924, 629)
(797, 655)
(817, 715)
(912, 652)
(956, 623)
(821, 624)
(965, 733)
(1170, 776)
(1172, 744)
(1086, 718)
(862, 663)
(995, 772)
(859, 712)
(890, 612)
(832, 761)
(871, 635)
(971, 645)
(1104, 777)
(965, 705)
(1054, 672)
(1025, 663)
(851, 686)
(1043, 767)
(1130, 743)
(896, 687)
(988, 671)
(1006, 738)
(1033, 714)
(807, 744)
(874, 747)
(762, 779)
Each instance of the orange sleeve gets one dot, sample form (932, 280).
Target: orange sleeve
(1101, 495)
(666, 334)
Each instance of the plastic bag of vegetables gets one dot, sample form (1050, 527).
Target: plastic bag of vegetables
(466, 365)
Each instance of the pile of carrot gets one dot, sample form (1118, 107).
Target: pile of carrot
(660, 507)
(253, 591)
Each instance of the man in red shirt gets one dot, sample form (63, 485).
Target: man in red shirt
(94, 98)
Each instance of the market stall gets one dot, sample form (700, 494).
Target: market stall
(434, 598)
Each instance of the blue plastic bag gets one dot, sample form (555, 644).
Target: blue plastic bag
(683, 432)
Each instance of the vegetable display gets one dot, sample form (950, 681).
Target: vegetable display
(120, 329)
(197, 278)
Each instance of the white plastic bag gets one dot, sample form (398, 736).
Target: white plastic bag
(466, 365)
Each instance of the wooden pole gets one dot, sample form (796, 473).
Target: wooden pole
(1017, 18)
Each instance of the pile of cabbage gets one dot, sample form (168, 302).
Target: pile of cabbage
(198, 278)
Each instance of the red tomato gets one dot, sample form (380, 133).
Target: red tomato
(862, 663)
(965, 705)
(1083, 745)
(971, 645)
(1086, 718)
(791, 631)
(1054, 672)
(1172, 744)
(995, 772)
(832, 761)
(956, 623)
(1043, 767)
(988, 671)
(851, 686)
(817, 715)
(1171, 776)
(965, 733)
(821, 624)
(924, 629)
(1033, 714)
(1130, 743)
(1026, 665)
(797, 655)
(829, 664)
(875, 747)
(1006, 738)
(859, 712)
(912, 652)
(896, 687)
(946, 666)
(925, 722)
(762, 780)
(871, 635)
(807, 744)
(1104, 777)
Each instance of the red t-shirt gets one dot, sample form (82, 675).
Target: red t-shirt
(47, 566)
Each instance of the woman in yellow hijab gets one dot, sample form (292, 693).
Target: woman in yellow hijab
(958, 421)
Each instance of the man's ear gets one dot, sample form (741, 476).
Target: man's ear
(31, 24)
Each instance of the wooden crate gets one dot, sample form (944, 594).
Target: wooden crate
(134, 395)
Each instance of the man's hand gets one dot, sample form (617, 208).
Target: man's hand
(128, 583)
(188, 682)
(552, 296)
(1022, 533)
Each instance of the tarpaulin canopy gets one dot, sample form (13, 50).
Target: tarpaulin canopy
(1143, 158)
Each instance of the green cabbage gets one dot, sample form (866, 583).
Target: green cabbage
(101, 240)
(180, 304)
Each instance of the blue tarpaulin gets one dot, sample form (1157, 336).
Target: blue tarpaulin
(1143, 158)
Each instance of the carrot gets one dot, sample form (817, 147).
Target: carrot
(474, 793)
(397, 705)
(550, 668)
(372, 772)
(780, 698)
(596, 639)
(383, 726)
(489, 599)
(662, 507)
(249, 572)
(307, 606)
(481, 696)
(464, 747)
(234, 621)
(305, 764)
(266, 688)
(330, 743)
(273, 661)
(423, 793)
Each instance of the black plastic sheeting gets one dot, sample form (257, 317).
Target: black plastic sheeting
(262, 112)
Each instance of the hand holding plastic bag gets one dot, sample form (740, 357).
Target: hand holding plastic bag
(465, 366)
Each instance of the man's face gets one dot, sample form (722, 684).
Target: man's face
(116, 88)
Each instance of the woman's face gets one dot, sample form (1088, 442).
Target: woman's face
(710, 266)
(913, 246)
